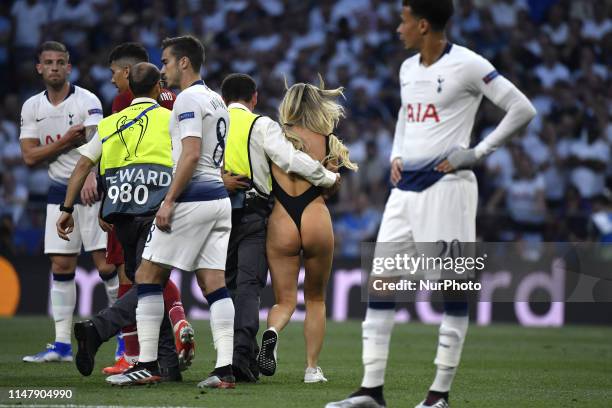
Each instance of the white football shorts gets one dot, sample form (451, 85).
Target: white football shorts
(446, 211)
(198, 238)
(87, 231)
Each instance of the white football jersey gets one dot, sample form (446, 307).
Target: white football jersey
(439, 105)
(198, 111)
(47, 123)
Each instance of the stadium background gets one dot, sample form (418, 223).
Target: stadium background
(551, 183)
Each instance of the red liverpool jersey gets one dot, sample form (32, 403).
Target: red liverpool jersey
(123, 100)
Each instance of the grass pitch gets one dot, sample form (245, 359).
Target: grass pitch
(502, 366)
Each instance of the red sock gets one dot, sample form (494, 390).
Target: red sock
(172, 303)
(130, 338)
(123, 288)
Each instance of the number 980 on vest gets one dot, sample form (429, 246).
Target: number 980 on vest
(137, 189)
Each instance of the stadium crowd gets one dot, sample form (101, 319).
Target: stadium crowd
(550, 183)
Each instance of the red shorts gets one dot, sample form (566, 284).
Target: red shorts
(114, 252)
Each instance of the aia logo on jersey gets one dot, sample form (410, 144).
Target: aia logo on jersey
(418, 112)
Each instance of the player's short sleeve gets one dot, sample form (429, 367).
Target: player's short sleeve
(188, 115)
(29, 128)
(92, 149)
(93, 109)
(483, 78)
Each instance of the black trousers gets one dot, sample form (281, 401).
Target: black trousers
(133, 233)
(246, 272)
(111, 320)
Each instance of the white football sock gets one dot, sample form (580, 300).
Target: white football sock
(222, 327)
(112, 288)
(149, 316)
(450, 345)
(376, 332)
(444, 378)
(63, 300)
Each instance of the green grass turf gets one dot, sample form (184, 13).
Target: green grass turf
(502, 366)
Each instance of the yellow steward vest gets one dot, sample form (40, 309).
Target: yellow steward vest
(136, 163)
(237, 146)
(147, 141)
(237, 160)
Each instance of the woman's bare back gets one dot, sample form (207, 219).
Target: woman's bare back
(313, 227)
(315, 145)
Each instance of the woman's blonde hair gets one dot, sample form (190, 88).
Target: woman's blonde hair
(315, 108)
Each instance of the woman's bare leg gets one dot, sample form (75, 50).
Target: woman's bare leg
(283, 250)
(318, 244)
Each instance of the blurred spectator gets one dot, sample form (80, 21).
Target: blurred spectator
(7, 247)
(6, 27)
(601, 219)
(552, 168)
(524, 196)
(369, 82)
(466, 20)
(588, 158)
(490, 40)
(599, 24)
(551, 70)
(575, 215)
(556, 28)
(505, 12)
(10, 153)
(373, 171)
(13, 197)
(77, 16)
(29, 20)
(359, 225)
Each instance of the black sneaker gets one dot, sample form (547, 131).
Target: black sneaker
(254, 367)
(266, 360)
(88, 342)
(140, 374)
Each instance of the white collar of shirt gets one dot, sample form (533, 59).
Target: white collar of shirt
(142, 99)
(238, 105)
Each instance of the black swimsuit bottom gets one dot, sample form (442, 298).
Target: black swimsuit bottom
(295, 205)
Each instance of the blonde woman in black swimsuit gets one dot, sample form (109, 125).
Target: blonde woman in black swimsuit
(300, 227)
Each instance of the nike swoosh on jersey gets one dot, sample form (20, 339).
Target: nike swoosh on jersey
(38, 120)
